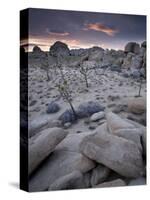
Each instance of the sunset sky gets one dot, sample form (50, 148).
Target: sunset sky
(83, 29)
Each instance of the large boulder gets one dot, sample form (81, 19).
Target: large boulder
(132, 47)
(99, 174)
(88, 108)
(40, 123)
(43, 145)
(73, 180)
(59, 49)
(117, 153)
(58, 164)
(137, 105)
(72, 142)
(114, 183)
(137, 181)
(115, 122)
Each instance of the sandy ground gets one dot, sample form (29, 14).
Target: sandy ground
(42, 92)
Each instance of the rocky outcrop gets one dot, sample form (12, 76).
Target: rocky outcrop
(59, 49)
(132, 47)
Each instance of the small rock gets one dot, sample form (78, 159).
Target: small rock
(67, 125)
(53, 107)
(97, 116)
(67, 116)
(92, 127)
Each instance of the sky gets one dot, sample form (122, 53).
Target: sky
(83, 29)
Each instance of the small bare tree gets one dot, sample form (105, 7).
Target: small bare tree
(85, 72)
(63, 87)
(140, 87)
(45, 66)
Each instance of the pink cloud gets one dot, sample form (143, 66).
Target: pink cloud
(101, 28)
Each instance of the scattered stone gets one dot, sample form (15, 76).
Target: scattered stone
(33, 103)
(92, 127)
(113, 97)
(67, 125)
(97, 116)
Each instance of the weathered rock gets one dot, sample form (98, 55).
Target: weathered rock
(37, 49)
(137, 105)
(114, 123)
(67, 125)
(138, 181)
(135, 74)
(88, 108)
(53, 107)
(136, 62)
(59, 49)
(143, 44)
(40, 123)
(99, 174)
(130, 134)
(74, 180)
(132, 47)
(43, 145)
(114, 183)
(67, 116)
(121, 155)
(58, 164)
(72, 142)
(97, 116)
(120, 127)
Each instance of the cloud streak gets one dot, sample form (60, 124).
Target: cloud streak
(57, 33)
(101, 28)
